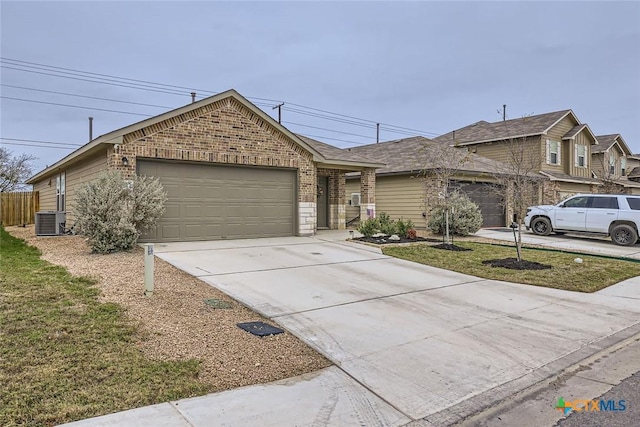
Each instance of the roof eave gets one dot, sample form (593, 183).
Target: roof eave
(115, 137)
(496, 139)
(85, 149)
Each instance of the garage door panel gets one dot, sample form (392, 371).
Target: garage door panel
(488, 201)
(169, 231)
(207, 202)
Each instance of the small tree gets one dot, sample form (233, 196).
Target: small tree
(607, 178)
(113, 212)
(518, 180)
(14, 171)
(442, 163)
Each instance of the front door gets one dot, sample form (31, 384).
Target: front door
(323, 198)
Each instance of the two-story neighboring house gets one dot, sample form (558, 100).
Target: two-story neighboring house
(557, 143)
(612, 163)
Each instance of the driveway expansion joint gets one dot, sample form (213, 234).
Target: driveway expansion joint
(175, 407)
(381, 297)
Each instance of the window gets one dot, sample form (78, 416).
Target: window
(623, 166)
(60, 191)
(634, 203)
(577, 202)
(553, 152)
(612, 165)
(604, 203)
(581, 155)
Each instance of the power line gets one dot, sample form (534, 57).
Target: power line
(75, 106)
(160, 87)
(94, 81)
(328, 130)
(335, 139)
(39, 146)
(83, 96)
(40, 142)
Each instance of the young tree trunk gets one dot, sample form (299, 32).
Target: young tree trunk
(519, 243)
(446, 225)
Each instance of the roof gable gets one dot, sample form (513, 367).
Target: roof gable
(410, 155)
(576, 130)
(482, 131)
(605, 142)
(171, 118)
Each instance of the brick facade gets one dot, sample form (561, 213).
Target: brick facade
(336, 197)
(222, 132)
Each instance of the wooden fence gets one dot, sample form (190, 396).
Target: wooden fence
(19, 208)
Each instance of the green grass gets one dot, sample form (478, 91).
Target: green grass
(593, 274)
(64, 356)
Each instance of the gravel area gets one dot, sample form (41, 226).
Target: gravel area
(176, 323)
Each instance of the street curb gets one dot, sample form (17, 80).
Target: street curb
(505, 397)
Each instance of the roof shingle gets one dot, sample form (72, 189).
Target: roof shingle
(410, 155)
(483, 131)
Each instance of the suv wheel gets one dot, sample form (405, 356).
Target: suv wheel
(624, 235)
(541, 226)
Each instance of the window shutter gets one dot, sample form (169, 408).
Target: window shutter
(586, 156)
(575, 157)
(559, 153)
(548, 152)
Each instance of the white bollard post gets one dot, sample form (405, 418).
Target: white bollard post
(148, 269)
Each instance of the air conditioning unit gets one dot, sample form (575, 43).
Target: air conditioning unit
(50, 223)
(355, 199)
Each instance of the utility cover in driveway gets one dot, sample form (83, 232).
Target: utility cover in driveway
(260, 329)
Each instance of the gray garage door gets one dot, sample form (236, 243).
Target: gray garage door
(207, 202)
(490, 203)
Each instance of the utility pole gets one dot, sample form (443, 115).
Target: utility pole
(279, 107)
(377, 132)
(504, 112)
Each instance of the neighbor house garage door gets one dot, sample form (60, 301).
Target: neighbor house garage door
(490, 203)
(211, 202)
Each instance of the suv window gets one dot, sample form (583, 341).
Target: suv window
(604, 202)
(634, 203)
(577, 202)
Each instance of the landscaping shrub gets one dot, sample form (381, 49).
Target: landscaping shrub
(369, 227)
(466, 218)
(386, 224)
(113, 212)
(403, 227)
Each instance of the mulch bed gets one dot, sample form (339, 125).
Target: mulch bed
(451, 247)
(384, 240)
(514, 264)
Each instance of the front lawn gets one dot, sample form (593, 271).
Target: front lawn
(593, 274)
(65, 356)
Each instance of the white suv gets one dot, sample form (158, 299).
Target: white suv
(615, 215)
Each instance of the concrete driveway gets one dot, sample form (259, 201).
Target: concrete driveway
(429, 343)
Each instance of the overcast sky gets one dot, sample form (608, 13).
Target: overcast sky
(428, 66)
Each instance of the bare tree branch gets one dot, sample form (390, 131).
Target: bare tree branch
(14, 171)
(518, 181)
(442, 163)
